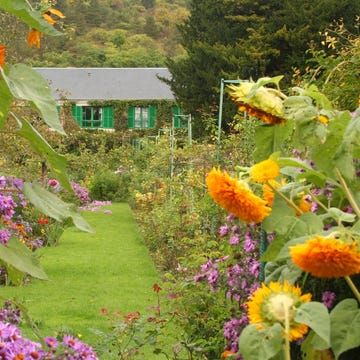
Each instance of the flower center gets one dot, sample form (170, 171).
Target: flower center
(280, 307)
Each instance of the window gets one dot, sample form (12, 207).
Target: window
(94, 117)
(91, 117)
(141, 117)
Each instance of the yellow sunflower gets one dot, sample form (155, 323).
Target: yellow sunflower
(272, 304)
(265, 170)
(236, 197)
(327, 257)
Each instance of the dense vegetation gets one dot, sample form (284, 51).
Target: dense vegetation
(109, 33)
(209, 260)
(249, 39)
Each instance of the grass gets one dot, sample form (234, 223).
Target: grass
(87, 272)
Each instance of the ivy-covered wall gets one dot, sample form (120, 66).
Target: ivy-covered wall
(164, 111)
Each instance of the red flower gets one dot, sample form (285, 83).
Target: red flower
(43, 221)
(157, 288)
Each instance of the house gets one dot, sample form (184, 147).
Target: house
(95, 92)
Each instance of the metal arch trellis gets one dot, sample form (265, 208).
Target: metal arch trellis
(188, 127)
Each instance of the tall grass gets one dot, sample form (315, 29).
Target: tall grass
(87, 272)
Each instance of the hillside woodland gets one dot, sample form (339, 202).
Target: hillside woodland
(104, 33)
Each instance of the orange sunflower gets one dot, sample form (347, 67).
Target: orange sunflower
(327, 257)
(265, 170)
(264, 116)
(2, 55)
(35, 35)
(236, 197)
(272, 304)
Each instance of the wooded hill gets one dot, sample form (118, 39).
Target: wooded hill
(106, 33)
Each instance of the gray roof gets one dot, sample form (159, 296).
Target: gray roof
(81, 84)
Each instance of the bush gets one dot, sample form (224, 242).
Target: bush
(106, 185)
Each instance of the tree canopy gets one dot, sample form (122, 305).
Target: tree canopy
(246, 39)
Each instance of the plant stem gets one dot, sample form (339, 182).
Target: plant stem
(287, 333)
(353, 287)
(291, 203)
(348, 194)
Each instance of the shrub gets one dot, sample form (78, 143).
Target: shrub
(105, 185)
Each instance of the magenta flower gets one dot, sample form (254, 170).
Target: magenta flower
(53, 183)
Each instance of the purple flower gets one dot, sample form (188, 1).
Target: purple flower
(7, 206)
(230, 217)
(249, 244)
(223, 230)
(4, 236)
(328, 298)
(81, 193)
(199, 277)
(206, 266)
(234, 240)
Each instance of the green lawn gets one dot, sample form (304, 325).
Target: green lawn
(87, 272)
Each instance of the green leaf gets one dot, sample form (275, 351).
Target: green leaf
(18, 256)
(255, 344)
(51, 205)
(56, 161)
(290, 230)
(323, 153)
(308, 172)
(345, 326)
(274, 271)
(343, 158)
(340, 216)
(312, 346)
(270, 139)
(313, 92)
(33, 18)
(264, 81)
(6, 97)
(27, 84)
(316, 316)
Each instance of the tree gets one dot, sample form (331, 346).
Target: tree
(210, 36)
(246, 39)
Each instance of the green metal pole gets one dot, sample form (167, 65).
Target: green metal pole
(220, 117)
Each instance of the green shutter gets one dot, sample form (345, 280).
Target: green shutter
(77, 113)
(152, 116)
(177, 119)
(108, 117)
(131, 117)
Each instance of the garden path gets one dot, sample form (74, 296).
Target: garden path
(109, 269)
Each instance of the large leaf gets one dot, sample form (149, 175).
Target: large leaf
(27, 84)
(343, 158)
(56, 161)
(270, 139)
(316, 316)
(51, 205)
(5, 97)
(312, 91)
(324, 154)
(33, 18)
(307, 172)
(345, 326)
(255, 344)
(21, 258)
